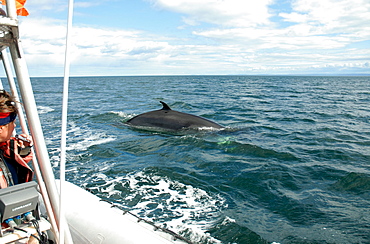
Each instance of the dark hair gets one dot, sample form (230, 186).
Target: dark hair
(7, 103)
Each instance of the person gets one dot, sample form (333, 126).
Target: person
(15, 152)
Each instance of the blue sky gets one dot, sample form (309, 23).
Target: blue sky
(199, 37)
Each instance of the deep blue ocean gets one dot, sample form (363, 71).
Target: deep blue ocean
(291, 166)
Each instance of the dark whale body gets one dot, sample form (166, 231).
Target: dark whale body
(169, 119)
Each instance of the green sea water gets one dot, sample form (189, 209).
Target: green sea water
(291, 166)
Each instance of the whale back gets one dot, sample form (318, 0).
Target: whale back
(166, 118)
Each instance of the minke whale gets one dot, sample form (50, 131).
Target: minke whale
(169, 119)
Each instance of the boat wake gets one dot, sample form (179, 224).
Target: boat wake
(181, 208)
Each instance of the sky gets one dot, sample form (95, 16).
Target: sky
(198, 37)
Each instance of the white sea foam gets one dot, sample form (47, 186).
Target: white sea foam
(44, 109)
(123, 114)
(81, 139)
(228, 220)
(110, 183)
(174, 205)
(205, 128)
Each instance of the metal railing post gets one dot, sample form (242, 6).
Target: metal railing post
(28, 99)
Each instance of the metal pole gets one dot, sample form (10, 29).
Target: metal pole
(28, 99)
(62, 224)
(23, 124)
(11, 9)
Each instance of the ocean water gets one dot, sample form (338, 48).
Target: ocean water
(291, 166)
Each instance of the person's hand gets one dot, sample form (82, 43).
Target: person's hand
(24, 140)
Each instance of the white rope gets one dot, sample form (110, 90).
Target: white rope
(64, 118)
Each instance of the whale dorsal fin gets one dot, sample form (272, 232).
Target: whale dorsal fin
(165, 106)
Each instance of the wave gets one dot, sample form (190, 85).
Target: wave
(44, 109)
(187, 210)
(355, 183)
(123, 115)
(79, 139)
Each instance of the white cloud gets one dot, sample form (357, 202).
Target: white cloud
(294, 17)
(244, 38)
(292, 38)
(95, 47)
(315, 25)
(332, 16)
(38, 6)
(234, 13)
(86, 4)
